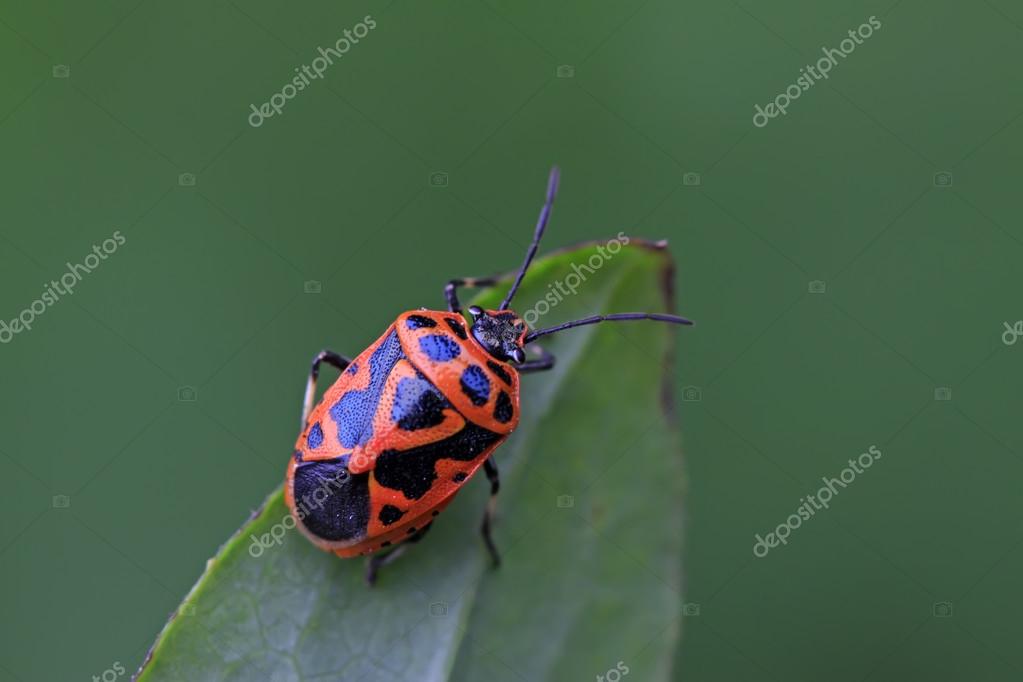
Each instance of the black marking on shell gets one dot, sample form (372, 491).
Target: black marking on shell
(413, 471)
(503, 410)
(333, 503)
(500, 371)
(457, 327)
(389, 514)
(418, 404)
(419, 321)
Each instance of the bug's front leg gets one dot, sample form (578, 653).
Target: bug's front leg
(331, 358)
(488, 513)
(451, 289)
(544, 362)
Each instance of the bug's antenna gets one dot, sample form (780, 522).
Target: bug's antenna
(541, 224)
(614, 317)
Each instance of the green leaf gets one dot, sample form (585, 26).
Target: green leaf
(589, 523)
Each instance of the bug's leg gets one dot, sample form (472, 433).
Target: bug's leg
(488, 513)
(377, 561)
(544, 362)
(331, 358)
(451, 289)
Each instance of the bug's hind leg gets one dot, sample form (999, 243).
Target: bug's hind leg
(451, 289)
(488, 513)
(378, 561)
(544, 362)
(331, 358)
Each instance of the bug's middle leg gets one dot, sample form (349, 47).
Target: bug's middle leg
(331, 358)
(451, 289)
(378, 561)
(488, 513)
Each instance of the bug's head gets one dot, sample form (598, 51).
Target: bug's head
(502, 333)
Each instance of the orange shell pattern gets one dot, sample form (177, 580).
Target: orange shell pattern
(403, 427)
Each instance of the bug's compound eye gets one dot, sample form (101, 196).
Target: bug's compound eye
(475, 311)
(518, 355)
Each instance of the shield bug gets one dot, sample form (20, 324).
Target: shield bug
(413, 417)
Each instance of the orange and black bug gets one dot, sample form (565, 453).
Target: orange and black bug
(413, 417)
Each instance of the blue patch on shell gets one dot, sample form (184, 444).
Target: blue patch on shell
(417, 404)
(439, 348)
(475, 384)
(354, 412)
(315, 437)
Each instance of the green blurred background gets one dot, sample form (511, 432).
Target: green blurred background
(145, 415)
